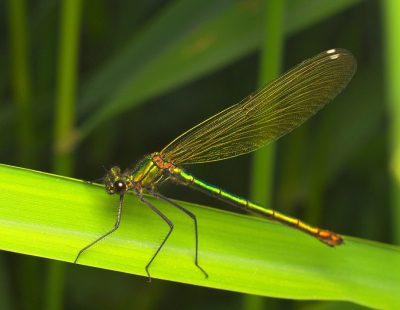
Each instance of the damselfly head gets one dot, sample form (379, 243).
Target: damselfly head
(113, 181)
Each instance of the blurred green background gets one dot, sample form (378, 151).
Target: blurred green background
(90, 83)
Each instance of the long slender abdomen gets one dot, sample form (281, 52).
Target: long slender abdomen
(325, 236)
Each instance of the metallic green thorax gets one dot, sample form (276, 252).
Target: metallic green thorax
(147, 174)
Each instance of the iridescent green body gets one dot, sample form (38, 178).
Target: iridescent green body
(264, 116)
(154, 170)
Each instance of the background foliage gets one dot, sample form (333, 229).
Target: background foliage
(91, 83)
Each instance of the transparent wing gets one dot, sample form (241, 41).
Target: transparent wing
(268, 113)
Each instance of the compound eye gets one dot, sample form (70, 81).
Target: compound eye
(120, 187)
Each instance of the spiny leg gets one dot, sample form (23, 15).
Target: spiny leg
(121, 199)
(171, 227)
(155, 194)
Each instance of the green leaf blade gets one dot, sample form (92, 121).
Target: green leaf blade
(54, 217)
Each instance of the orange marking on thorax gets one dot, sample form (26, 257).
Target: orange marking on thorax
(165, 165)
(138, 187)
